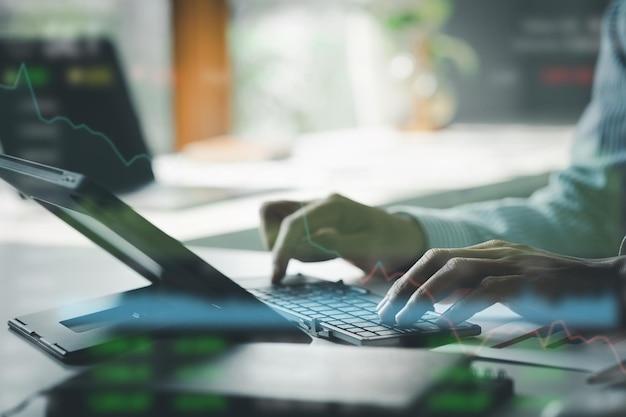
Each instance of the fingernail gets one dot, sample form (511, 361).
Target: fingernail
(276, 274)
(386, 313)
(382, 303)
(411, 313)
(408, 315)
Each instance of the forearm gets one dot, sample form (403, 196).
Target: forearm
(578, 214)
(618, 264)
(581, 212)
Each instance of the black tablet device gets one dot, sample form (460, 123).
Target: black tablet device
(186, 293)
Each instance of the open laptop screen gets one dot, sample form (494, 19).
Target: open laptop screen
(114, 240)
(65, 103)
(116, 227)
(188, 295)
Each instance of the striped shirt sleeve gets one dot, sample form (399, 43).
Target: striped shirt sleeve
(581, 211)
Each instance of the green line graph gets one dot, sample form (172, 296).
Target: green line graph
(23, 73)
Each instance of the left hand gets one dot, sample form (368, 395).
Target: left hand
(337, 226)
(536, 284)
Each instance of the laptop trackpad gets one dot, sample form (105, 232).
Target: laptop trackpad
(132, 313)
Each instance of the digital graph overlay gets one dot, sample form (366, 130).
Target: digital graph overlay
(543, 341)
(23, 73)
(379, 265)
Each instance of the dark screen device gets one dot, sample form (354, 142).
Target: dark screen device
(66, 103)
(187, 294)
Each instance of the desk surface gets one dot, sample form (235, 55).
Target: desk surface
(46, 264)
(374, 166)
(36, 278)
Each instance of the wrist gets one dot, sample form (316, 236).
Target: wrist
(620, 264)
(618, 267)
(413, 238)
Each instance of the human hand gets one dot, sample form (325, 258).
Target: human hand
(339, 227)
(536, 284)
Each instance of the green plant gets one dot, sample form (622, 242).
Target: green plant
(425, 18)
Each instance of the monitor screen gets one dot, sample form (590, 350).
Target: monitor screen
(65, 103)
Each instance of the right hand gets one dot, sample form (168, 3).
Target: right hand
(339, 227)
(541, 286)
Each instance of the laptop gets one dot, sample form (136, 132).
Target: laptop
(186, 293)
(66, 103)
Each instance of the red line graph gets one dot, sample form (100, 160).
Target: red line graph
(543, 341)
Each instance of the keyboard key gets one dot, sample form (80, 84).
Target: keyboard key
(388, 332)
(348, 309)
(311, 304)
(363, 323)
(324, 308)
(342, 308)
(370, 316)
(426, 326)
(309, 312)
(342, 316)
(338, 305)
(375, 328)
(430, 316)
(346, 326)
(353, 329)
(356, 320)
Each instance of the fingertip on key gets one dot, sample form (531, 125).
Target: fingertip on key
(408, 316)
(386, 315)
(277, 274)
(412, 312)
(382, 303)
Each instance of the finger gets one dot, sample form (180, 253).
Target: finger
(329, 244)
(435, 265)
(272, 214)
(355, 248)
(410, 312)
(495, 244)
(423, 269)
(455, 274)
(299, 226)
(305, 251)
(433, 261)
(490, 291)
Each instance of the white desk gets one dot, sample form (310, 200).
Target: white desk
(373, 166)
(43, 277)
(44, 263)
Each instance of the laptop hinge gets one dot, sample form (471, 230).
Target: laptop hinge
(314, 328)
(20, 326)
(58, 349)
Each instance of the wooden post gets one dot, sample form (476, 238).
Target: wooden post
(201, 69)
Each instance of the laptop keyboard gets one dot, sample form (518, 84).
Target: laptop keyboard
(341, 308)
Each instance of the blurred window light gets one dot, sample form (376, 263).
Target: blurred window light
(315, 65)
(289, 63)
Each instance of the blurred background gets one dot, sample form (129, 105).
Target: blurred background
(267, 71)
(426, 102)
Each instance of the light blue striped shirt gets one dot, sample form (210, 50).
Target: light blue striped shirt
(581, 211)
